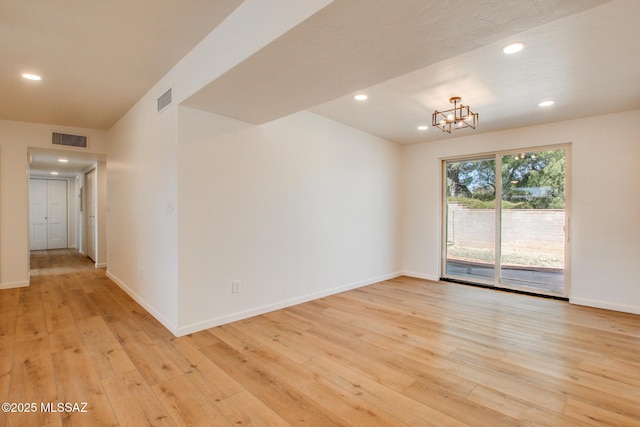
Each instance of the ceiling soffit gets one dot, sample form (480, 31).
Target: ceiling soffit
(354, 44)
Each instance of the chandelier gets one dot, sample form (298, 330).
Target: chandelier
(459, 117)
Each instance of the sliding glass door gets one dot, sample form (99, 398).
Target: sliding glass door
(505, 220)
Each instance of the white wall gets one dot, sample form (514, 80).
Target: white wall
(298, 208)
(142, 163)
(605, 245)
(15, 140)
(142, 184)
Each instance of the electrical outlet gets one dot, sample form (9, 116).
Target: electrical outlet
(236, 288)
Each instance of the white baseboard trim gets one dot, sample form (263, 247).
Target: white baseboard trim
(159, 317)
(73, 247)
(217, 321)
(605, 305)
(101, 265)
(421, 276)
(12, 285)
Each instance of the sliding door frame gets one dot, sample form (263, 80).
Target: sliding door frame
(497, 155)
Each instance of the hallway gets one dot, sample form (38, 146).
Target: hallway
(59, 261)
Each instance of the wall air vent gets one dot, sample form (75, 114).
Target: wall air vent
(69, 140)
(164, 100)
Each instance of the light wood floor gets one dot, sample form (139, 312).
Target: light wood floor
(401, 352)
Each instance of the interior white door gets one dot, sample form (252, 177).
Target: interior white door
(90, 196)
(38, 214)
(57, 214)
(48, 214)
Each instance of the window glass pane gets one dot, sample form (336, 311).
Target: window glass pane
(532, 220)
(470, 242)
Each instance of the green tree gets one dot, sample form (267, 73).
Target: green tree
(472, 179)
(534, 180)
(530, 180)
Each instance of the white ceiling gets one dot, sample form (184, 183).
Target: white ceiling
(354, 44)
(97, 58)
(409, 56)
(588, 63)
(43, 162)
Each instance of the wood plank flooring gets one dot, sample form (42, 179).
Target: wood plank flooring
(404, 352)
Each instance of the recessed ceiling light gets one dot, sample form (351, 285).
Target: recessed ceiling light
(546, 103)
(513, 48)
(54, 173)
(63, 160)
(31, 76)
(361, 97)
(423, 127)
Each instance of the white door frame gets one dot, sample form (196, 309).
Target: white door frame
(90, 191)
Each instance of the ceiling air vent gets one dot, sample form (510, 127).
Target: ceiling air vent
(69, 140)
(164, 100)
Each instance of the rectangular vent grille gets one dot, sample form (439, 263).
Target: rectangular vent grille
(164, 100)
(69, 140)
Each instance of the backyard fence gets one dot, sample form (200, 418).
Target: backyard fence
(532, 230)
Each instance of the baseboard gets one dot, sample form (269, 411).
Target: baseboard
(145, 304)
(11, 285)
(217, 321)
(577, 301)
(101, 265)
(606, 305)
(421, 276)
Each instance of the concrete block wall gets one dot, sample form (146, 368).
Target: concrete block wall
(535, 230)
